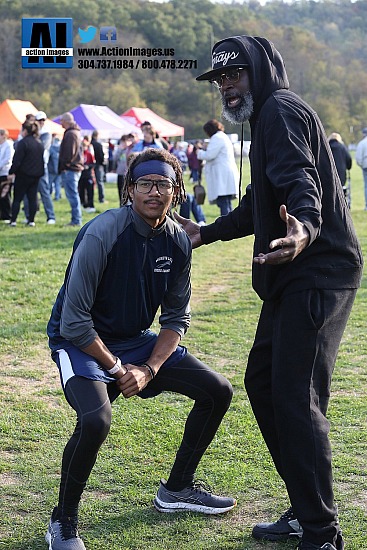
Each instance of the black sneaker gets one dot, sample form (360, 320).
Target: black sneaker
(310, 546)
(195, 498)
(62, 533)
(339, 544)
(285, 527)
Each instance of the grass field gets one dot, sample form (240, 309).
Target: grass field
(116, 511)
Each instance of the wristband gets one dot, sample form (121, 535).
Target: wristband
(116, 367)
(151, 371)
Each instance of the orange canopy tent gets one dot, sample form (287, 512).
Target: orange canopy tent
(13, 113)
(161, 125)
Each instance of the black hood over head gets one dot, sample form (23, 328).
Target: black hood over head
(265, 66)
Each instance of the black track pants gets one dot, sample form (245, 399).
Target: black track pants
(288, 382)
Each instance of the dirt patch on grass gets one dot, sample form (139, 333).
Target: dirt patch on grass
(28, 376)
(7, 480)
(217, 289)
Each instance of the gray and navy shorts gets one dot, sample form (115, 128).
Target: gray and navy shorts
(72, 361)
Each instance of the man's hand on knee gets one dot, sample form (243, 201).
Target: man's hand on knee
(134, 381)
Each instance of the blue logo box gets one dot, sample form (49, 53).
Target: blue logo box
(47, 43)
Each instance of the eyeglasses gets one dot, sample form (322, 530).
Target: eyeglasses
(164, 187)
(232, 75)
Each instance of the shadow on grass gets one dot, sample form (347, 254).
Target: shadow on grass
(139, 529)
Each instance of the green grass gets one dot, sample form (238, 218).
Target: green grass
(116, 511)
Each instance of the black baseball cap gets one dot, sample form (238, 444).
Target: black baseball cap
(225, 55)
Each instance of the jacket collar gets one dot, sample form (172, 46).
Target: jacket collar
(143, 228)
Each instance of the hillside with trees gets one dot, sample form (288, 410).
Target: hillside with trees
(323, 44)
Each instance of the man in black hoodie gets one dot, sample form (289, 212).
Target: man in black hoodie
(307, 266)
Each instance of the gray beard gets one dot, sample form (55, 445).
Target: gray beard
(242, 112)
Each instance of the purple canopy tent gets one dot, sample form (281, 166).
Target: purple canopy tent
(101, 118)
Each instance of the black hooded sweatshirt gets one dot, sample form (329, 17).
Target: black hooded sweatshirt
(291, 164)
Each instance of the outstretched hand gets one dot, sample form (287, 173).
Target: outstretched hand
(292, 244)
(192, 229)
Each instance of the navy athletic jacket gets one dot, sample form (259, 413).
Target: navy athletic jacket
(120, 273)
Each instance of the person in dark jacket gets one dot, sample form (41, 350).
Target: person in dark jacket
(307, 266)
(99, 165)
(342, 159)
(71, 165)
(28, 167)
(126, 264)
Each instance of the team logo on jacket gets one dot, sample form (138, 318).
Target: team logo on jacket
(163, 264)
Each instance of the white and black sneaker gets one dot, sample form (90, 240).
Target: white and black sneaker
(339, 544)
(309, 546)
(285, 527)
(62, 533)
(196, 498)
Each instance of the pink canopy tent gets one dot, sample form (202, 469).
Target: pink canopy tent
(161, 125)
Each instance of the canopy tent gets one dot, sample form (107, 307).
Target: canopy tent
(161, 125)
(13, 113)
(101, 118)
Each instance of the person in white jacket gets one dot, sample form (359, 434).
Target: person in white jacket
(361, 160)
(220, 168)
(6, 155)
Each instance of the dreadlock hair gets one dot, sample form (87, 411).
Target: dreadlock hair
(154, 154)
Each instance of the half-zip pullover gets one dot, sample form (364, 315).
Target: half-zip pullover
(119, 255)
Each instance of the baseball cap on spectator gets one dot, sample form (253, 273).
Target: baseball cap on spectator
(226, 55)
(41, 115)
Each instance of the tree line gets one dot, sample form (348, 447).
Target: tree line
(322, 44)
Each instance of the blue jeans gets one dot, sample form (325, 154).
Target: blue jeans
(365, 186)
(195, 175)
(225, 204)
(70, 182)
(44, 191)
(54, 181)
(191, 205)
(99, 172)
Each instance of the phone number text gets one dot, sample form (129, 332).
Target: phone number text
(137, 64)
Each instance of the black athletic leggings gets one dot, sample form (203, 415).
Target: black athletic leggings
(92, 400)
